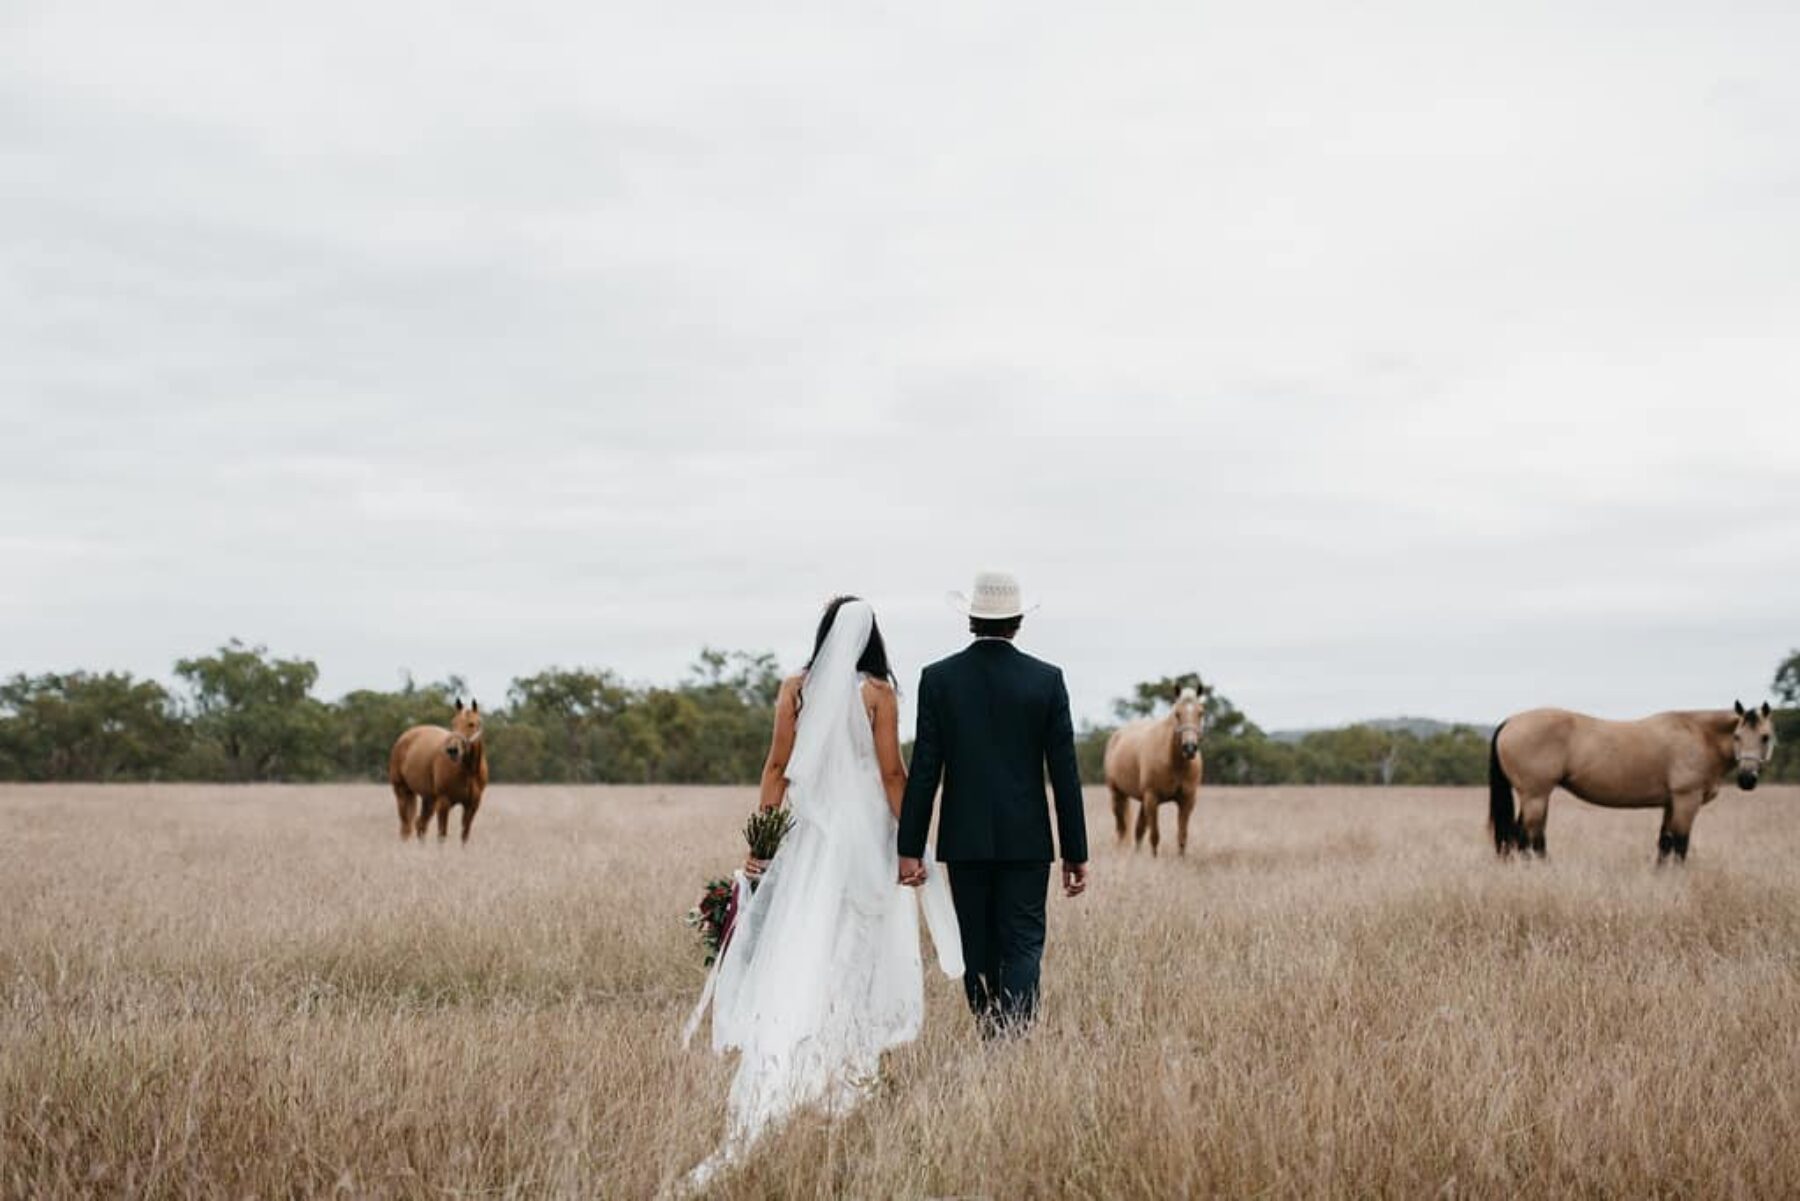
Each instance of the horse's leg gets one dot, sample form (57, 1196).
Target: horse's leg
(1665, 839)
(408, 805)
(443, 818)
(469, 817)
(1184, 809)
(1147, 820)
(1534, 813)
(423, 825)
(1121, 808)
(1680, 823)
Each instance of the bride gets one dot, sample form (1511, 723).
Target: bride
(823, 972)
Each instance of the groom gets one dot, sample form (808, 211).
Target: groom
(992, 721)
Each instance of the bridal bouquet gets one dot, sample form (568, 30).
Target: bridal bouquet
(716, 912)
(712, 918)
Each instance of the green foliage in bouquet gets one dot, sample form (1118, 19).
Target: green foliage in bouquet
(764, 831)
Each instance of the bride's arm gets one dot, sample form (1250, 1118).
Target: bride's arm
(887, 745)
(774, 775)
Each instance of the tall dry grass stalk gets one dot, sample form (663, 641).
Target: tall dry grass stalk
(259, 992)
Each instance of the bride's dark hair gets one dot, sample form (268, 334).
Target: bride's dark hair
(874, 661)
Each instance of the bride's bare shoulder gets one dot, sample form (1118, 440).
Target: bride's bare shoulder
(875, 689)
(787, 702)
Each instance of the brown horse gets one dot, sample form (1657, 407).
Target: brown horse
(1157, 760)
(432, 768)
(1672, 761)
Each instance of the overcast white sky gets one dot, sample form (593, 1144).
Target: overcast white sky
(1374, 359)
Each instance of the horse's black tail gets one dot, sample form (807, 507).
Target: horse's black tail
(1500, 799)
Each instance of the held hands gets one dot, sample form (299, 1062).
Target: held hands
(1074, 875)
(754, 867)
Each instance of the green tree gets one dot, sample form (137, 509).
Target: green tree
(365, 723)
(1237, 751)
(753, 680)
(1458, 756)
(1787, 681)
(517, 751)
(1248, 756)
(1150, 695)
(587, 725)
(1786, 764)
(1090, 752)
(254, 717)
(677, 754)
(1351, 755)
(571, 709)
(88, 727)
(733, 694)
(1225, 720)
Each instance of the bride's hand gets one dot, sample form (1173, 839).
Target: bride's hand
(754, 867)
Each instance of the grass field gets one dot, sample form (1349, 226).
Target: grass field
(259, 992)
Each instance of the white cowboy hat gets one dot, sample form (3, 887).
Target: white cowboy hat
(996, 597)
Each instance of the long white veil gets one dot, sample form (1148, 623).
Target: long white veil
(833, 730)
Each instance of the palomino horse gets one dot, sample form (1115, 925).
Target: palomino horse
(1672, 761)
(432, 768)
(1157, 760)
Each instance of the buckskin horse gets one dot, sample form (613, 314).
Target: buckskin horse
(1675, 762)
(1157, 760)
(432, 768)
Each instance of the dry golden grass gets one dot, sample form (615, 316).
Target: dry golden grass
(258, 991)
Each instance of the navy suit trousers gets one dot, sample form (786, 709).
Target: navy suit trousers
(1000, 914)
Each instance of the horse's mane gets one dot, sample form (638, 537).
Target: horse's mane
(1714, 721)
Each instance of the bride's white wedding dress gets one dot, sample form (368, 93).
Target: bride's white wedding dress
(823, 971)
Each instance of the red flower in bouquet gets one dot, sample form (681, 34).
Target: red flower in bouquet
(713, 916)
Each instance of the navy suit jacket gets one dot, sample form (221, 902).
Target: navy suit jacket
(993, 721)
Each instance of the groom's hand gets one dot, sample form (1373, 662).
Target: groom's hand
(1074, 879)
(912, 872)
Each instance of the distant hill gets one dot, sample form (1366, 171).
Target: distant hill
(1419, 727)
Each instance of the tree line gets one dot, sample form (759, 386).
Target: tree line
(241, 714)
(1238, 751)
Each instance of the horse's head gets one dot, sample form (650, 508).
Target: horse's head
(1190, 721)
(466, 725)
(1753, 742)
